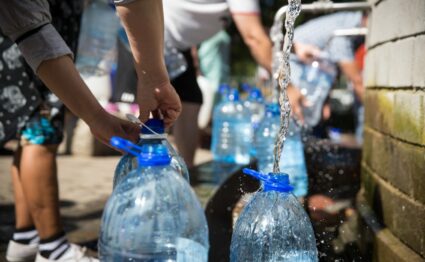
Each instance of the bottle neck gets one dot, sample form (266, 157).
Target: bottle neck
(153, 136)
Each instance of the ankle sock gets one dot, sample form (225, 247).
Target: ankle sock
(54, 247)
(26, 236)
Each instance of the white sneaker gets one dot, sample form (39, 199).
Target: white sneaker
(17, 252)
(74, 254)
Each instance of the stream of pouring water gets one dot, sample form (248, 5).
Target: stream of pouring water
(284, 77)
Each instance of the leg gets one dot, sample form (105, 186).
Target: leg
(22, 213)
(186, 132)
(39, 182)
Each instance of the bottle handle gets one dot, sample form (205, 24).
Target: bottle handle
(125, 145)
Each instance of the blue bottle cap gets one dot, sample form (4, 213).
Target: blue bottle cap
(233, 95)
(255, 94)
(272, 181)
(147, 155)
(273, 109)
(223, 88)
(155, 125)
(246, 87)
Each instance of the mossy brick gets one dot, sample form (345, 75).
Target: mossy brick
(401, 164)
(419, 62)
(409, 116)
(378, 152)
(389, 248)
(404, 216)
(401, 63)
(408, 169)
(379, 109)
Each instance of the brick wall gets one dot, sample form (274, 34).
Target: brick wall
(393, 165)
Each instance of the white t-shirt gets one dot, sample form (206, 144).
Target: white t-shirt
(189, 22)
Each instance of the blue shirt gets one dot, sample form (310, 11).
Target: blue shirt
(319, 32)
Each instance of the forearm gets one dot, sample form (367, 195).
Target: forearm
(261, 51)
(353, 74)
(63, 79)
(144, 24)
(255, 38)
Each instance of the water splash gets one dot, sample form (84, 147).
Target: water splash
(283, 77)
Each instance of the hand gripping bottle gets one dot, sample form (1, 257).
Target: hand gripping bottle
(232, 132)
(152, 132)
(153, 214)
(315, 84)
(273, 226)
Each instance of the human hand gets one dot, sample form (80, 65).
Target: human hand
(104, 126)
(160, 100)
(305, 52)
(297, 101)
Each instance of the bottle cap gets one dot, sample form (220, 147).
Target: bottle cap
(246, 87)
(272, 181)
(223, 88)
(147, 155)
(255, 94)
(273, 109)
(233, 95)
(153, 126)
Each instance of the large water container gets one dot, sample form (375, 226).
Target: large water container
(232, 133)
(153, 214)
(152, 133)
(96, 54)
(315, 83)
(292, 159)
(273, 226)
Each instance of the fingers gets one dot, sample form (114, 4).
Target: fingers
(169, 104)
(298, 112)
(130, 130)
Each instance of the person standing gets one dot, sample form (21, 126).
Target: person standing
(188, 24)
(29, 25)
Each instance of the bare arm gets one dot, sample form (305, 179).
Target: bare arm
(61, 76)
(144, 24)
(353, 74)
(254, 36)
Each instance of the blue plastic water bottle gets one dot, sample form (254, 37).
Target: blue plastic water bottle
(273, 226)
(152, 133)
(153, 214)
(232, 133)
(256, 108)
(255, 104)
(292, 159)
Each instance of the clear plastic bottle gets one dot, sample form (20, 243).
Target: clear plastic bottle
(153, 214)
(151, 133)
(292, 159)
(315, 83)
(273, 226)
(232, 133)
(255, 104)
(97, 41)
(256, 108)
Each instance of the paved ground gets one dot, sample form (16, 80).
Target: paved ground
(85, 183)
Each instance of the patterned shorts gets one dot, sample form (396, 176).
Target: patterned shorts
(40, 130)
